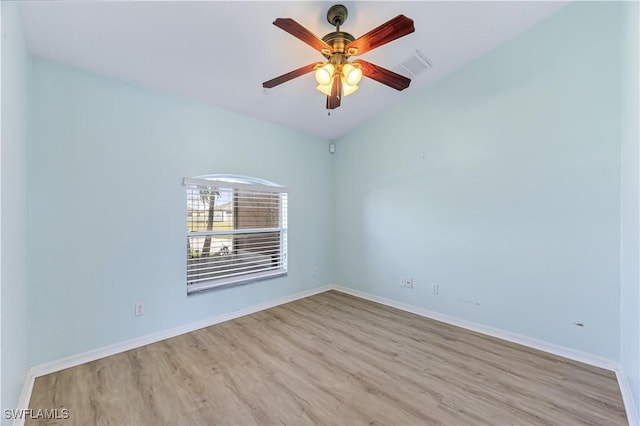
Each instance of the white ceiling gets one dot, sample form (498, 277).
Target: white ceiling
(221, 52)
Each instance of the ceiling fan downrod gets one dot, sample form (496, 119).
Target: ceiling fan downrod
(337, 39)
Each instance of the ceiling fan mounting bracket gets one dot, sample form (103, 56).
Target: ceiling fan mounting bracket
(337, 15)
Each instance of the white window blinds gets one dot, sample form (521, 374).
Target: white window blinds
(236, 231)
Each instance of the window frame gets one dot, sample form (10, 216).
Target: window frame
(243, 185)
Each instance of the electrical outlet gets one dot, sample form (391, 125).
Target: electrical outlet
(139, 309)
(435, 288)
(407, 282)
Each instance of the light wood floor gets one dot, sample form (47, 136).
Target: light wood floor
(332, 359)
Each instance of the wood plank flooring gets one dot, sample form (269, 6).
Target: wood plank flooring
(332, 359)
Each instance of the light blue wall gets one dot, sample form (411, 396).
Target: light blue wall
(630, 204)
(501, 183)
(107, 223)
(15, 76)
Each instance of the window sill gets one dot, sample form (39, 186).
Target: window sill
(218, 284)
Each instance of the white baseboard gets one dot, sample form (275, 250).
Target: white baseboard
(25, 397)
(607, 364)
(74, 360)
(105, 351)
(490, 331)
(633, 416)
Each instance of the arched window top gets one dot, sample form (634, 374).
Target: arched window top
(233, 181)
(238, 179)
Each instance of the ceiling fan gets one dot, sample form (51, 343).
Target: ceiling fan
(338, 76)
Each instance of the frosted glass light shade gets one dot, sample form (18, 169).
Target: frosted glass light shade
(352, 74)
(325, 88)
(347, 88)
(324, 74)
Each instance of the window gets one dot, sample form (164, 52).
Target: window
(236, 231)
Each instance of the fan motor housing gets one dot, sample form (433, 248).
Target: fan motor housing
(338, 40)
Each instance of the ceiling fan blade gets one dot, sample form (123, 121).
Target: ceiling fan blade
(333, 101)
(289, 76)
(383, 75)
(391, 30)
(301, 33)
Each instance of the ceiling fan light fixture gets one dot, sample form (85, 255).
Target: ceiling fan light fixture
(324, 74)
(338, 77)
(352, 74)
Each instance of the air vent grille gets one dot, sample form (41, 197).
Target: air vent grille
(413, 65)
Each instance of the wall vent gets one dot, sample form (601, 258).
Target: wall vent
(413, 65)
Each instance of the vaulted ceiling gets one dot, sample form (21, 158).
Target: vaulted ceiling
(221, 52)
